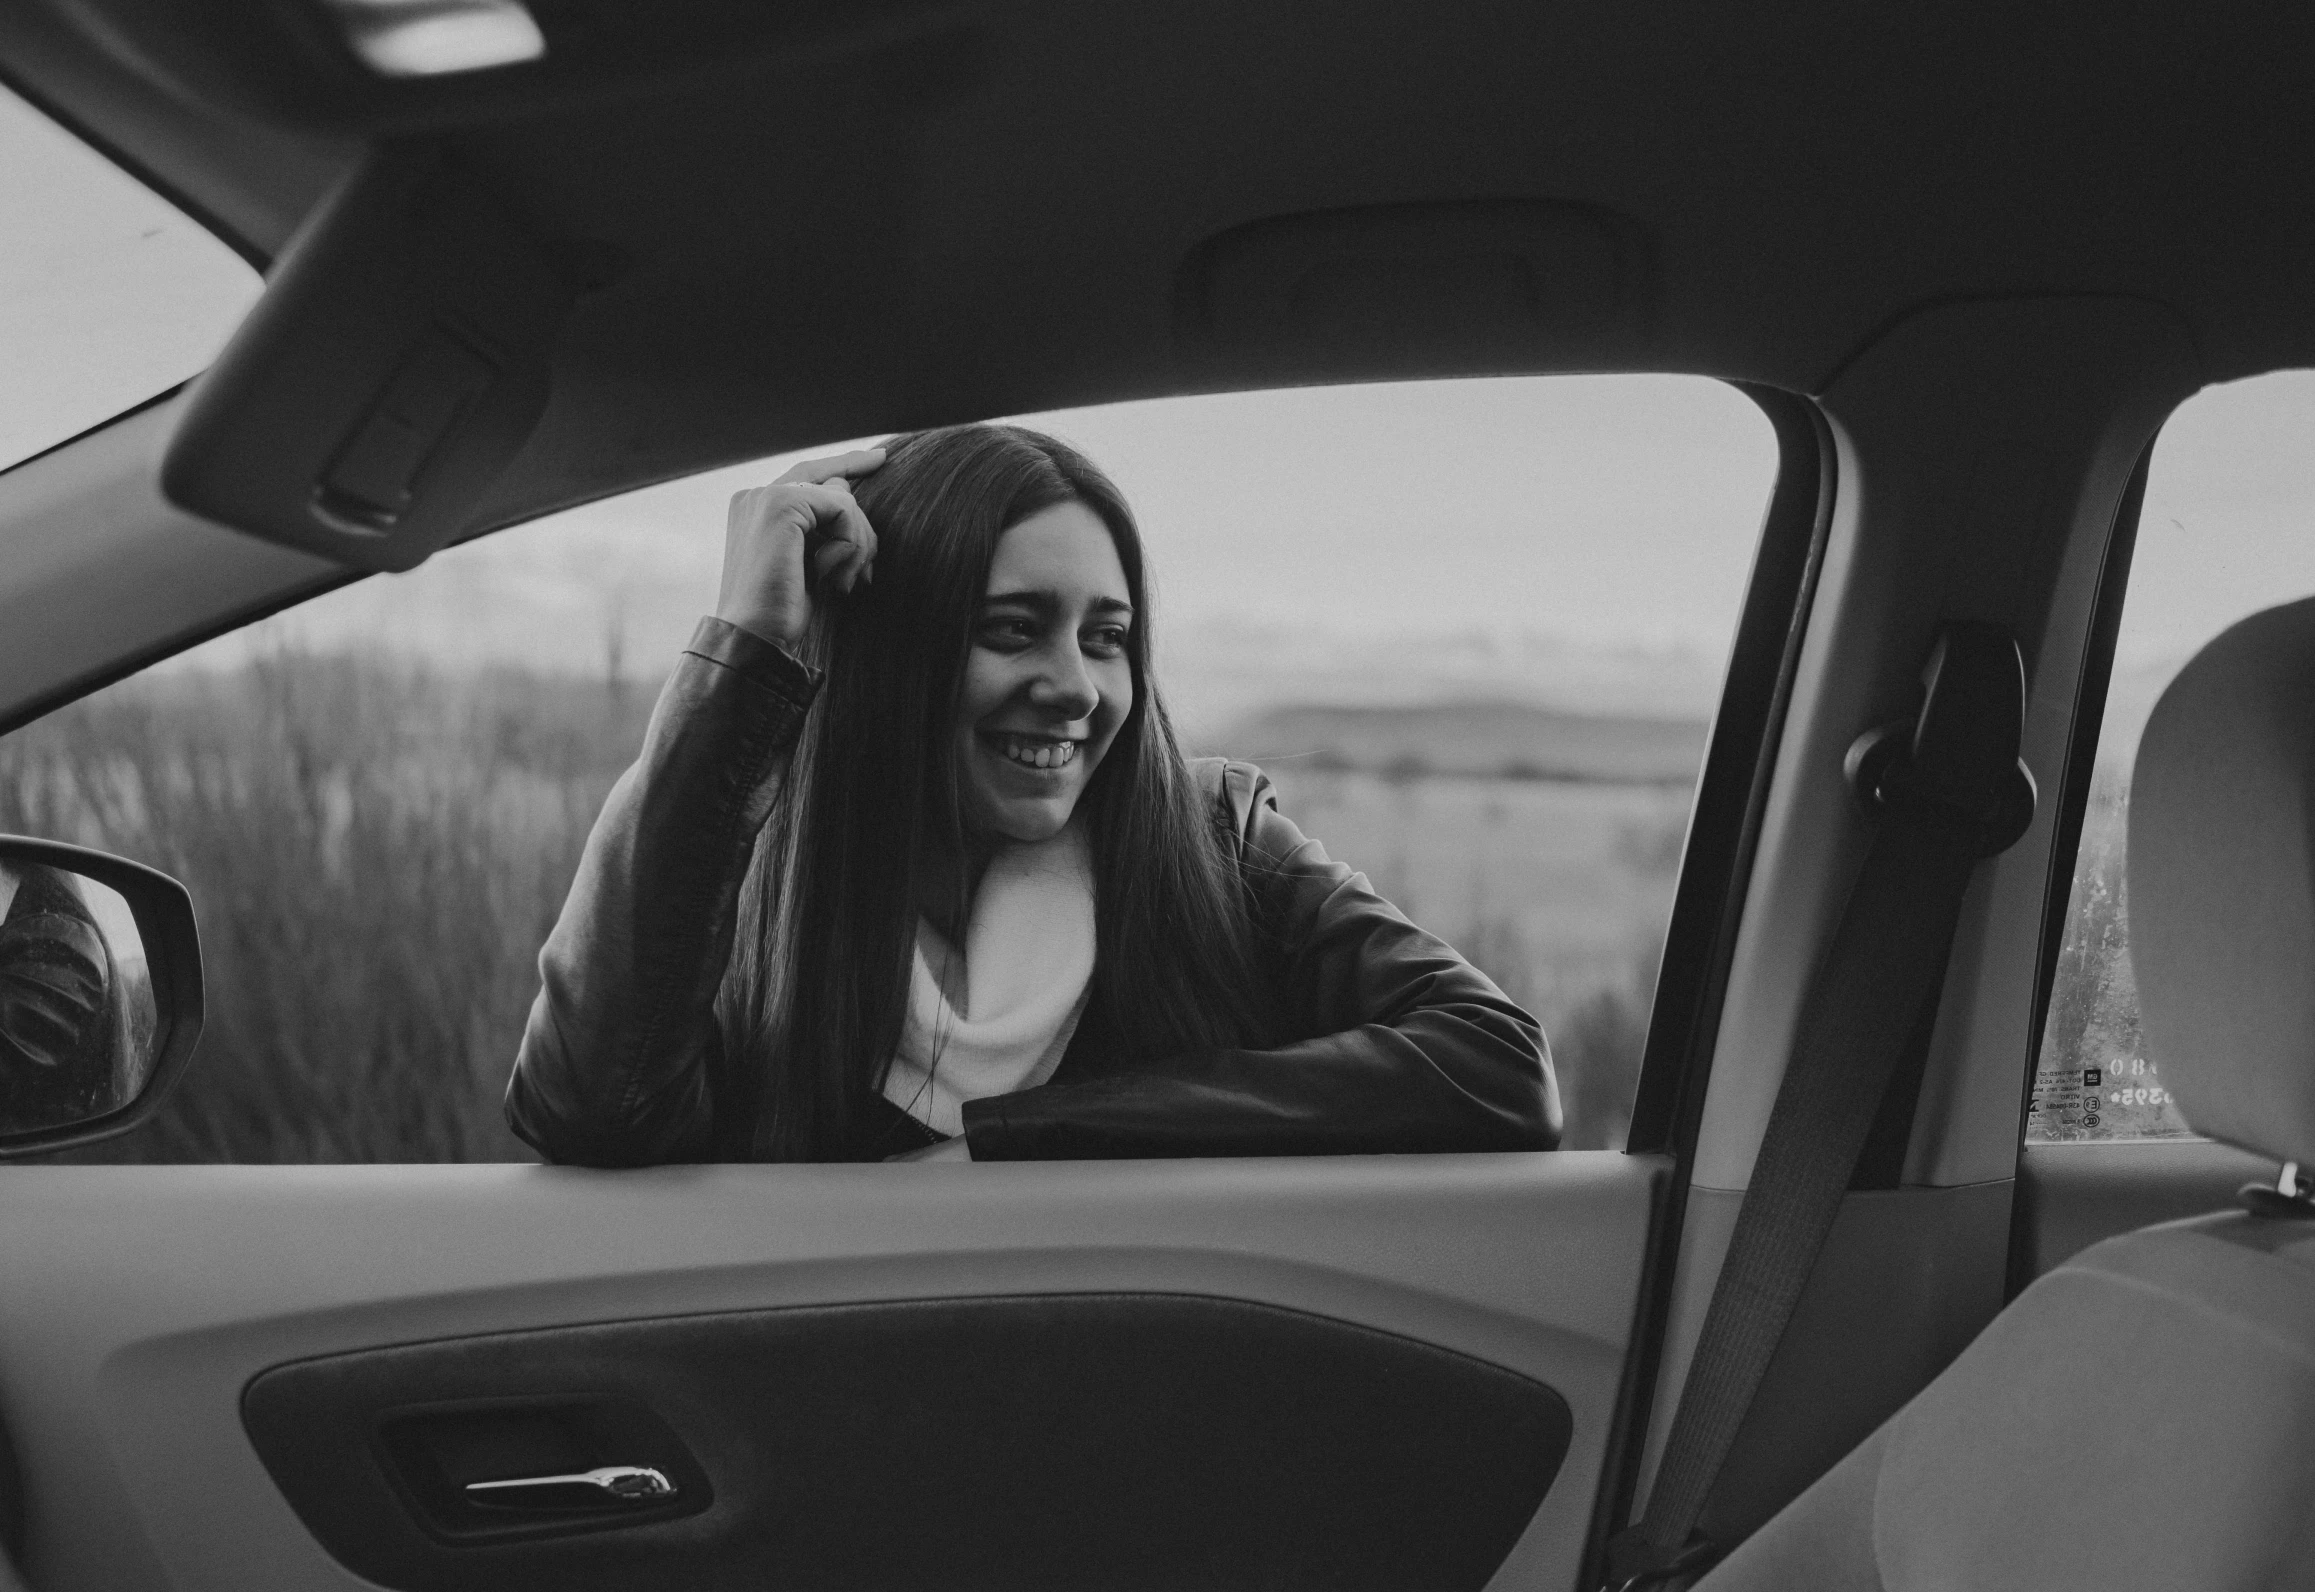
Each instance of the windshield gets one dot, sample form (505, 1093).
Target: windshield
(108, 294)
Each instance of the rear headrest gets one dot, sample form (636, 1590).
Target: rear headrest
(2222, 885)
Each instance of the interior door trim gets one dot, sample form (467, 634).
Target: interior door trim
(128, 1353)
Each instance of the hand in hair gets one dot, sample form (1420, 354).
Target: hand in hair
(783, 540)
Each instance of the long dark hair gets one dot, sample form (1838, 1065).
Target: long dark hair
(813, 1002)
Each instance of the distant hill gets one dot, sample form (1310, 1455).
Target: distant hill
(1512, 740)
(1219, 672)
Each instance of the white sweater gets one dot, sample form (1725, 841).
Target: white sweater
(998, 1016)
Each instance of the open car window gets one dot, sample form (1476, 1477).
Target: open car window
(2223, 534)
(109, 295)
(1473, 630)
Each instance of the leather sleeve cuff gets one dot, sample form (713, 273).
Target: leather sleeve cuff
(986, 1136)
(755, 660)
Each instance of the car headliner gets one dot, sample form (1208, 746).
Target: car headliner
(945, 212)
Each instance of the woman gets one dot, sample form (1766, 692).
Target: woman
(912, 866)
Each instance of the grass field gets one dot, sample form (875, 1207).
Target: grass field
(376, 852)
(1502, 740)
(1557, 890)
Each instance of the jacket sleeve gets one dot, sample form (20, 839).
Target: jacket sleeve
(54, 1002)
(1410, 1047)
(618, 1060)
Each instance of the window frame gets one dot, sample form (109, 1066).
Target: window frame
(1716, 867)
(2081, 766)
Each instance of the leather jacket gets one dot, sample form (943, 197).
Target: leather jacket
(59, 1007)
(1402, 1045)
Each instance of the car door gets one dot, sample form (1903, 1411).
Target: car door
(1366, 1373)
(1388, 1370)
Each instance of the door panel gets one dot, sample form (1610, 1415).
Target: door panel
(1072, 1441)
(157, 1296)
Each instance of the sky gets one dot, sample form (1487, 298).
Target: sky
(108, 294)
(2229, 521)
(2227, 529)
(1579, 538)
(1464, 527)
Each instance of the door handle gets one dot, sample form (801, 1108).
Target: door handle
(586, 1489)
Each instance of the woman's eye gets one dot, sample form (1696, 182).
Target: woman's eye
(1010, 634)
(1107, 642)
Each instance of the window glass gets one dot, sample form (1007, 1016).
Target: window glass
(108, 294)
(2223, 534)
(1473, 630)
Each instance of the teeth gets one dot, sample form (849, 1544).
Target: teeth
(1040, 754)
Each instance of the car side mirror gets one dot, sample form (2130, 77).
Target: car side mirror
(100, 993)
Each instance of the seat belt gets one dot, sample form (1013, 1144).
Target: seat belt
(1948, 789)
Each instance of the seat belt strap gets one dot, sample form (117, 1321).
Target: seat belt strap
(1949, 790)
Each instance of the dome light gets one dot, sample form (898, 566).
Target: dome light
(430, 38)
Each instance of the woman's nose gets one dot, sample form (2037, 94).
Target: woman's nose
(1063, 685)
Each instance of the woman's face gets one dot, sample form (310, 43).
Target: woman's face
(1047, 682)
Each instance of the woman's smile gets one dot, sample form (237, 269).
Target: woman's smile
(1047, 753)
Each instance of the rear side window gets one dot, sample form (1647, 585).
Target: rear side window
(1474, 631)
(2224, 533)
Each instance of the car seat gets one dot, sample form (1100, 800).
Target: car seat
(2143, 1416)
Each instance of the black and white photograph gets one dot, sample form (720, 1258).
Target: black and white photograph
(967, 795)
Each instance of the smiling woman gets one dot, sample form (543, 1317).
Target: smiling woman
(912, 865)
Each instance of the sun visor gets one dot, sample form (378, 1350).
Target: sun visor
(397, 362)
(1377, 292)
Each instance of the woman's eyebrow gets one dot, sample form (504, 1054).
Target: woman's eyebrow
(1050, 602)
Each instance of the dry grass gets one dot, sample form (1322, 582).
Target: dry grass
(1559, 892)
(2092, 1030)
(376, 852)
